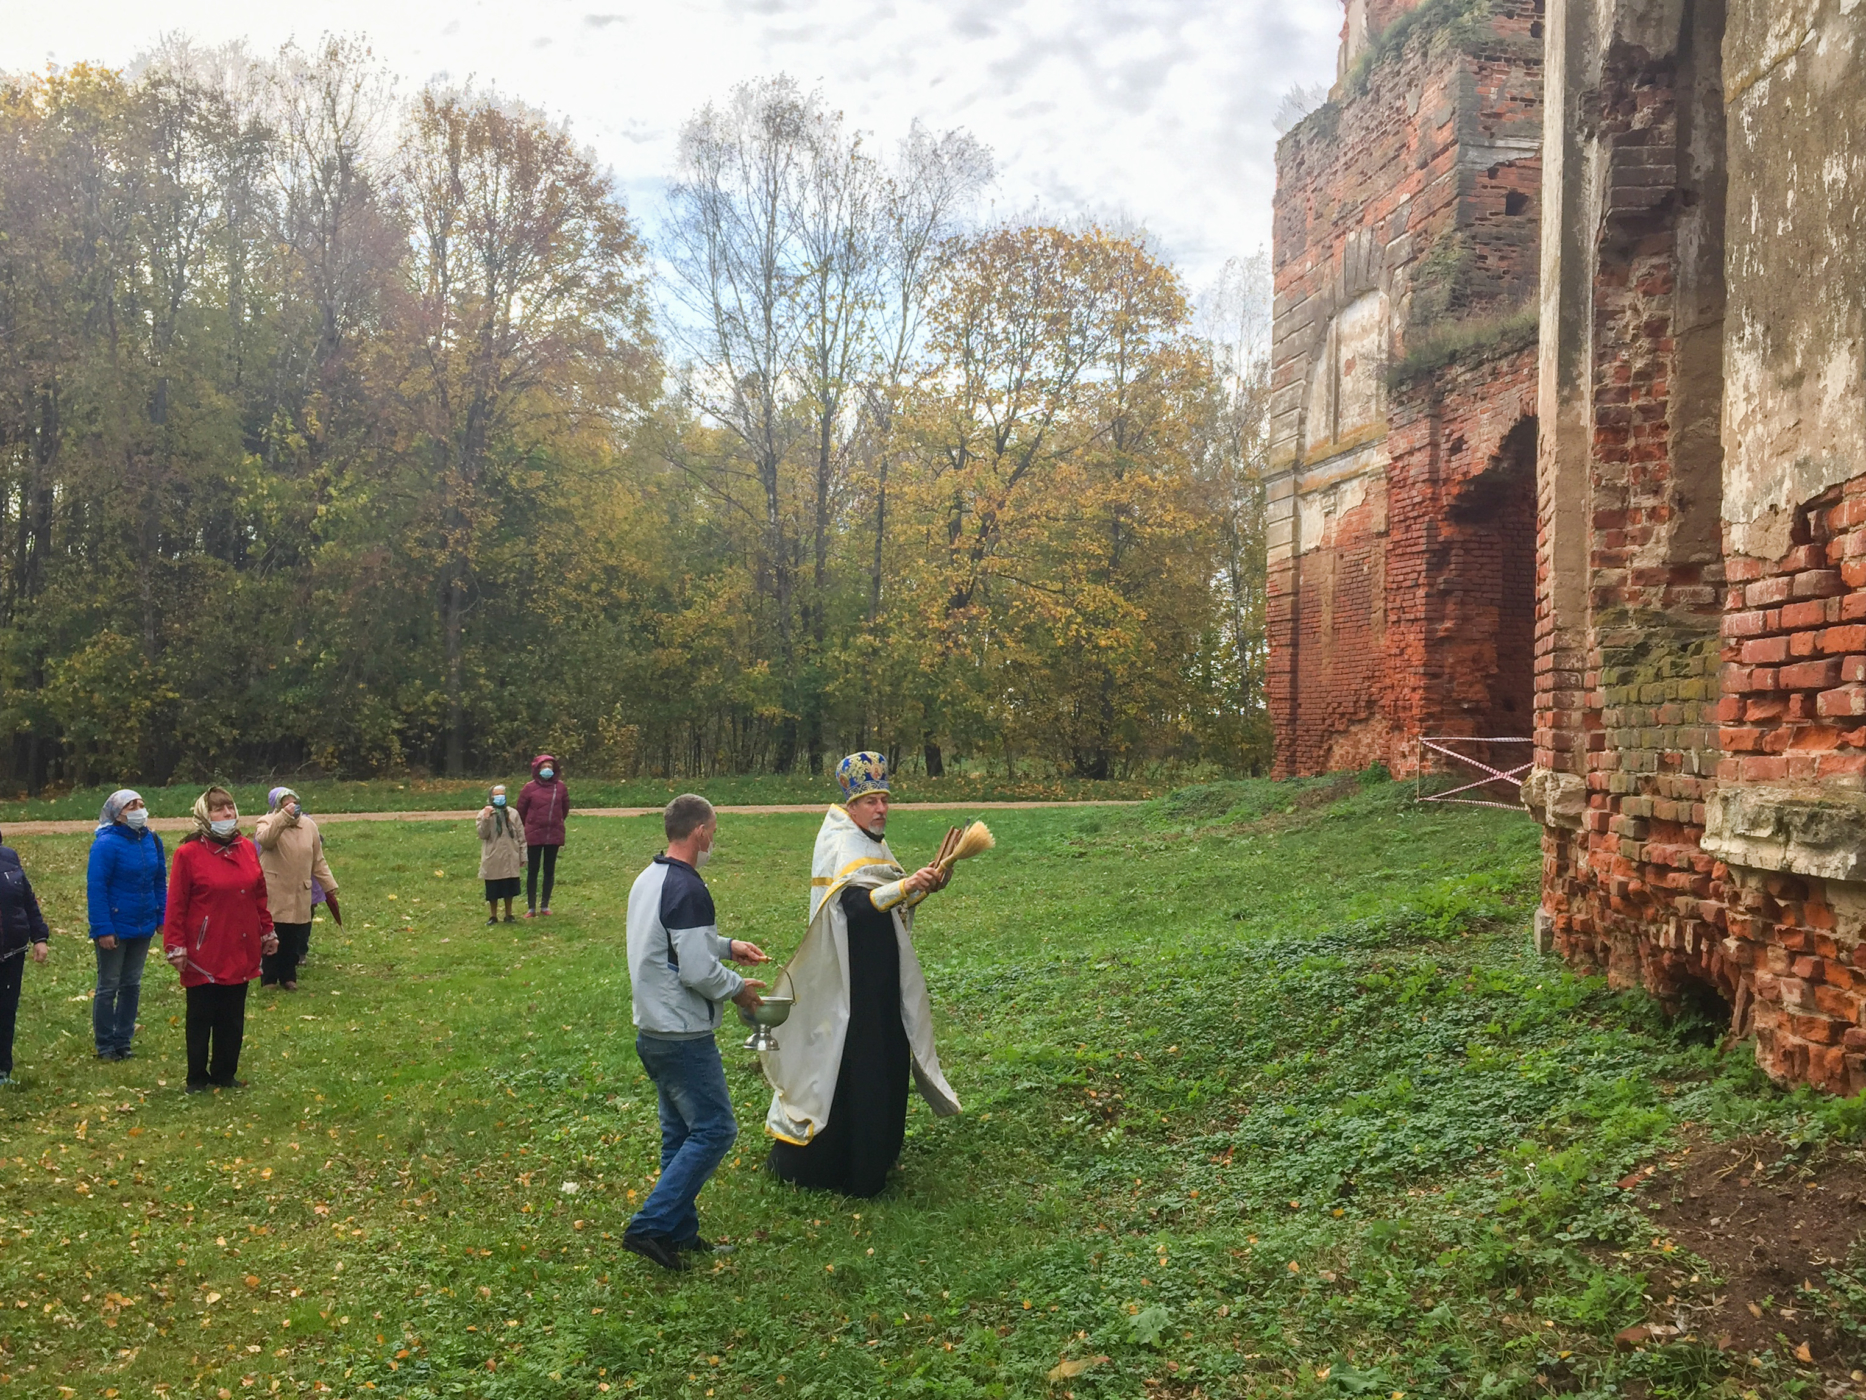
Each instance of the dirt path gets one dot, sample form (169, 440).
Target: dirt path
(70, 828)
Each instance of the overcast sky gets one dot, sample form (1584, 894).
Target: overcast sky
(1157, 112)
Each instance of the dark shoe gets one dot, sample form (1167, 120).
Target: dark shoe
(196, 1087)
(656, 1250)
(263, 984)
(228, 1084)
(493, 920)
(289, 986)
(126, 1054)
(509, 918)
(696, 1245)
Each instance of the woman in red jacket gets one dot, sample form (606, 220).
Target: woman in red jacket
(543, 803)
(217, 928)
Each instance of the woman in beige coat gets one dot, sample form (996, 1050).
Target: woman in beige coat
(501, 853)
(291, 852)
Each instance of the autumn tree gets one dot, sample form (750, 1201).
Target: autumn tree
(529, 319)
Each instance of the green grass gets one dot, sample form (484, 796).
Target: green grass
(1259, 1101)
(443, 794)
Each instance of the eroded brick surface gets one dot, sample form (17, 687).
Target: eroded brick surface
(1701, 625)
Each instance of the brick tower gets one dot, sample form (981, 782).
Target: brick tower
(1403, 432)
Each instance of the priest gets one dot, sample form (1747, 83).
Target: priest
(861, 1025)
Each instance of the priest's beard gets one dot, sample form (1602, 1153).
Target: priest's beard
(877, 832)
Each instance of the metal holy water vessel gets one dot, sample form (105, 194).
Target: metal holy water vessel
(772, 1011)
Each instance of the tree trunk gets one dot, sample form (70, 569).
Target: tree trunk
(936, 761)
(453, 628)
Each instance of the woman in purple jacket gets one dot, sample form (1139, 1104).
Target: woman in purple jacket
(542, 806)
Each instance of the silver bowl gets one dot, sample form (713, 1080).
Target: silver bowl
(772, 1011)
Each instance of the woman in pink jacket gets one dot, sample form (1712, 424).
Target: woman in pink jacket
(543, 804)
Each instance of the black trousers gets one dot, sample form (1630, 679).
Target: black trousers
(534, 855)
(216, 1026)
(10, 970)
(282, 966)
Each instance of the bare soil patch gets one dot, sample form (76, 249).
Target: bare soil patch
(1769, 1223)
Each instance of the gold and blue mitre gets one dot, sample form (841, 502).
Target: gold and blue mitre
(862, 773)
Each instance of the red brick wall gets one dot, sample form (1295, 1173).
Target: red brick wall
(1340, 633)
(1793, 712)
(1463, 499)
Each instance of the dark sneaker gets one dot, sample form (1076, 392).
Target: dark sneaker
(493, 920)
(509, 918)
(227, 1084)
(656, 1250)
(696, 1245)
(126, 1054)
(196, 1087)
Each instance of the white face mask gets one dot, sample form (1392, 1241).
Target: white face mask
(225, 827)
(704, 856)
(138, 818)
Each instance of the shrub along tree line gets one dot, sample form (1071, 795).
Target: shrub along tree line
(349, 432)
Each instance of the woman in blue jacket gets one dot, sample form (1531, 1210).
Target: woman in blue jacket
(128, 887)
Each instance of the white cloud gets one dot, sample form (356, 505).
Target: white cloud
(1156, 111)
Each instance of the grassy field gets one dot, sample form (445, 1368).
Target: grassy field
(1264, 1095)
(445, 794)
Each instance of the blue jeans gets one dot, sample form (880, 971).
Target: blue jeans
(697, 1130)
(119, 989)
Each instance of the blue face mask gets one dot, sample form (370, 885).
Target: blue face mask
(499, 800)
(545, 773)
(225, 827)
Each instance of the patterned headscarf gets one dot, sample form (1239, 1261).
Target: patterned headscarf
(114, 805)
(203, 824)
(500, 815)
(861, 773)
(277, 796)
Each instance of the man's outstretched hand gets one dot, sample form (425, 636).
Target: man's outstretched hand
(747, 952)
(748, 998)
(929, 879)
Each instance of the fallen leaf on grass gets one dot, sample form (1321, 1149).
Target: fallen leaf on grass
(1803, 1354)
(1064, 1370)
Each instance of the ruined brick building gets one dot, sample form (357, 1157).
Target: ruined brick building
(1701, 634)
(1700, 449)
(1403, 432)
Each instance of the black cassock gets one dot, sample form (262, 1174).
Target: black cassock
(868, 1116)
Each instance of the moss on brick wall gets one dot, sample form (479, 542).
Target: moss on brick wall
(1462, 340)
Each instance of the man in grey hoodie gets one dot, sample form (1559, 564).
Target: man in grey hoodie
(679, 982)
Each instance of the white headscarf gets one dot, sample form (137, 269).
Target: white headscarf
(114, 805)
